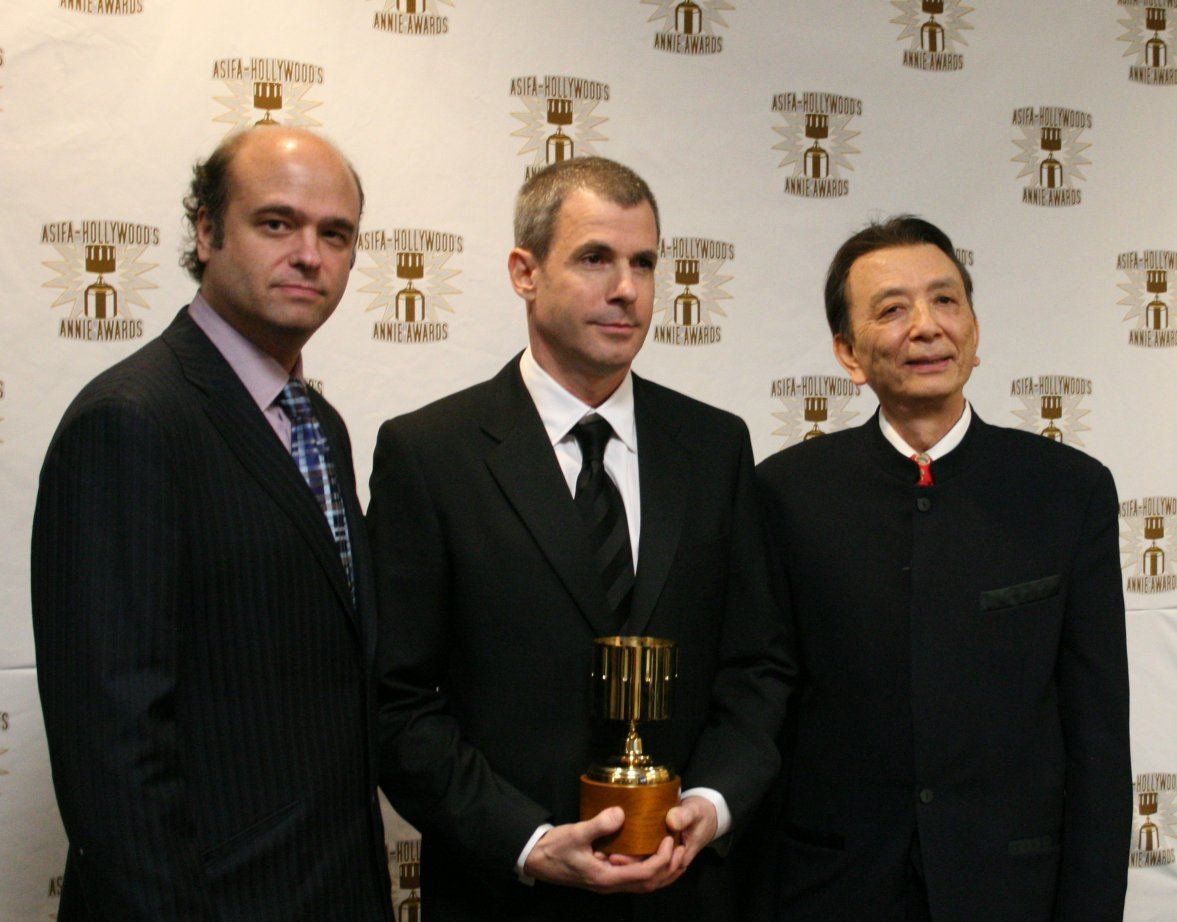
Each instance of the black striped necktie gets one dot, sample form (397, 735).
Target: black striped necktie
(603, 511)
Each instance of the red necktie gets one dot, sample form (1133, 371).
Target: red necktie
(925, 464)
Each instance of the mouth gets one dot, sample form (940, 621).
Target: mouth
(929, 363)
(299, 289)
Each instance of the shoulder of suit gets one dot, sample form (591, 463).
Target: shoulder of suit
(1017, 446)
(669, 403)
(830, 448)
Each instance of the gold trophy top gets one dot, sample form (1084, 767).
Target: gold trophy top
(633, 680)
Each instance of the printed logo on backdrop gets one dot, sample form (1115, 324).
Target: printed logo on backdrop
(103, 7)
(689, 27)
(932, 42)
(267, 91)
(1, 402)
(1146, 543)
(689, 290)
(812, 406)
(4, 725)
(101, 274)
(1, 65)
(1149, 33)
(1154, 820)
(816, 139)
(412, 17)
(1145, 296)
(410, 279)
(1052, 154)
(405, 869)
(1052, 406)
(560, 120)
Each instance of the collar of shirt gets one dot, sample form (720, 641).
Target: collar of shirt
(951, 439)
(263, 376)
(559, 410)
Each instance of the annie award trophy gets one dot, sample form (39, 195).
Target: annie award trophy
(633, 680)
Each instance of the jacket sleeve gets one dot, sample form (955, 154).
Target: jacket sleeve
(107, 594)
(438, 781)
(1093, 704)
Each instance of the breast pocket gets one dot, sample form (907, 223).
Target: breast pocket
(1021, 593)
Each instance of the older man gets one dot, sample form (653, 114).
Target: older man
(202, 593)
(961, 749)
(493, 586)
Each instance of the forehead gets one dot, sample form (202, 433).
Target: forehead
(903, 269)
(286, 166)
(585, 215)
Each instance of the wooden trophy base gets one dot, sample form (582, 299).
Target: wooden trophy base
(645, 806)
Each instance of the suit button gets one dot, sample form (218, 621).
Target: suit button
(926, 796)
(923, 504)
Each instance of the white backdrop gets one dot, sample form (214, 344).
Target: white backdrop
(1039, 135)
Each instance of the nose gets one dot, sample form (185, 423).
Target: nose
(306, 251)
(624, 284)
(923, 320)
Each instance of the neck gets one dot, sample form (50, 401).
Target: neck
(921, 428)
(591, 389)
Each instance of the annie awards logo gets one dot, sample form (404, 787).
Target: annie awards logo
(5, 723)
(932, 42)
(1145, 293)
(812, 406)
(1148, 32)
(689, 290)
(1052, 146)
(410, 282)
(1051, 405)
(816, 140)
(412, 17)
(1, 401)
(689, 27)
(559, 118)
(404, 867)
(1147, 529)
(103, 7)
(101, 272)
(1154, 820)
(267, 91)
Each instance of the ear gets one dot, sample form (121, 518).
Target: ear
(204, 235)
(844, 353)
(977, 345)
(523, 268)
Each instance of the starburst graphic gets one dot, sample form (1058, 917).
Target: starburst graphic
(711, 10)
(1070, 422)
(1136, 32)
(1071, 154)
(709, 290)
(952, 21)
(385, 284)
(242, 114)
(72, 278)
(535, 127)
(794, 425)
(837, 145)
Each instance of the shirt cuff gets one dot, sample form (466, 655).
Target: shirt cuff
(525, 878)
(723, 816)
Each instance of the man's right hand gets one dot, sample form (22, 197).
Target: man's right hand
(564, 855)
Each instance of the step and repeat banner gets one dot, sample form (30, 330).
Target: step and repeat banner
(1040, 136)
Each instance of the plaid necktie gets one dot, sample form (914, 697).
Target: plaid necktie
(311, 453)
(603, 511)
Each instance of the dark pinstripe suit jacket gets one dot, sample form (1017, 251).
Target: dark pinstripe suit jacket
(204, 674)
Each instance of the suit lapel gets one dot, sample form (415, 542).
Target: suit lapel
(234, 414)
(663, 468)
(525, 467)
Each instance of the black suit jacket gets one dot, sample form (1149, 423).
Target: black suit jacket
(490, 604)
(964, 679)
(205, 676)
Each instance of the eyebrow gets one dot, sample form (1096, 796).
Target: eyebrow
(288, 211)
(935, 285)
